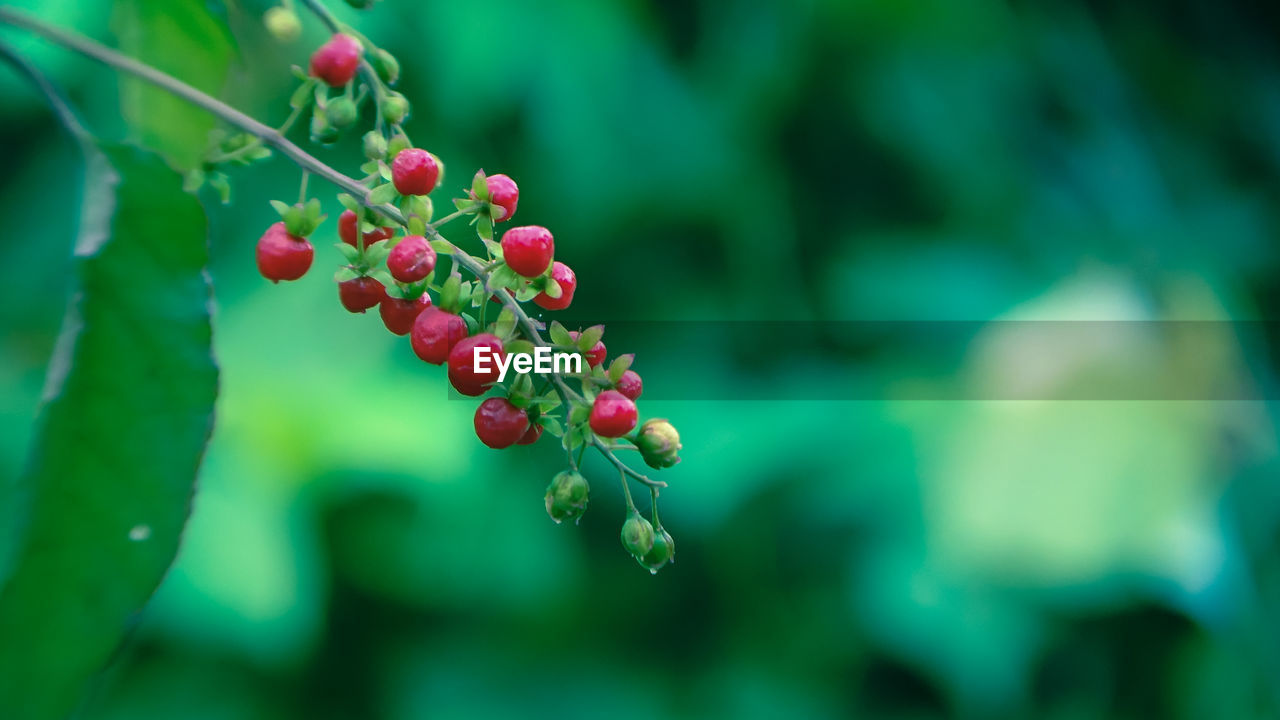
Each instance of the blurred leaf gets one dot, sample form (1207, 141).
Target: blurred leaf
(130, 407)
(184, 39)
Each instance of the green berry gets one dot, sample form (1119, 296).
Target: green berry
(375, 146)
(662, 552)
(659, 443)
(637, 535)
(567, 496)
(342, 112)
(283, 24)
(386, 65)
(394, 108)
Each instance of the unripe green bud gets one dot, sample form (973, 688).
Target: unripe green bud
(386, 65)
(375, 146)
(567, 496)
(322, 131)
(637, 535)
(663, 551)
(659, 443)
(283, 24)
(342, 112)
(398, 142)
(394, 108)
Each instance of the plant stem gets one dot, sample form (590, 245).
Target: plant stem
(604, 450)
(302, 159)
(653, 493)
(59, 104)
(451, 217)
(225, 112)
(626, 492)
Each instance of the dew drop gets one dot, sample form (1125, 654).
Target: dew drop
(653, 571)
(138, 533)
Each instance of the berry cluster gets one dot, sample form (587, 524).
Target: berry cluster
(393, 258)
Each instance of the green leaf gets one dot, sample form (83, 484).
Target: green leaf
(221, 184)
(551, 425)
(619, 366)
(419, 206)
(281, 208)
(590, 337)
(552, 289)
(494, 248)
(526, 293)
(484, 227)
(349, 202)
(575, 438)
(505, 324)
(186, 40)
(504, 276)
(302, 96)
(549, 401)
(112, 466)
(523, 386)
(344, 274)
(443, 247)
(450, 293)
(559, 335)
(518, 346)
(383, 194)
(578, 414)
(479, 186)
(349, 253)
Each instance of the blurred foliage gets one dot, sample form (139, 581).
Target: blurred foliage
(355, 552)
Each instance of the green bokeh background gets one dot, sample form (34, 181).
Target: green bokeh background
(356, 553)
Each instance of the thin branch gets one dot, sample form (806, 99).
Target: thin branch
(56, 101)
(652, 484)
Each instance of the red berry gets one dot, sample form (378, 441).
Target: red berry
(282, 256)
(360, 294)
(347, 231)
(462, 366)
(434, 334)
(411, 259)
(528, 249)
(336, 61)
(399, 314)
(500, 424)
(503, 193)
(612, 415)
(414, 172)
(568, 283)
(596, 354)
(531, 435)
(630, 384)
